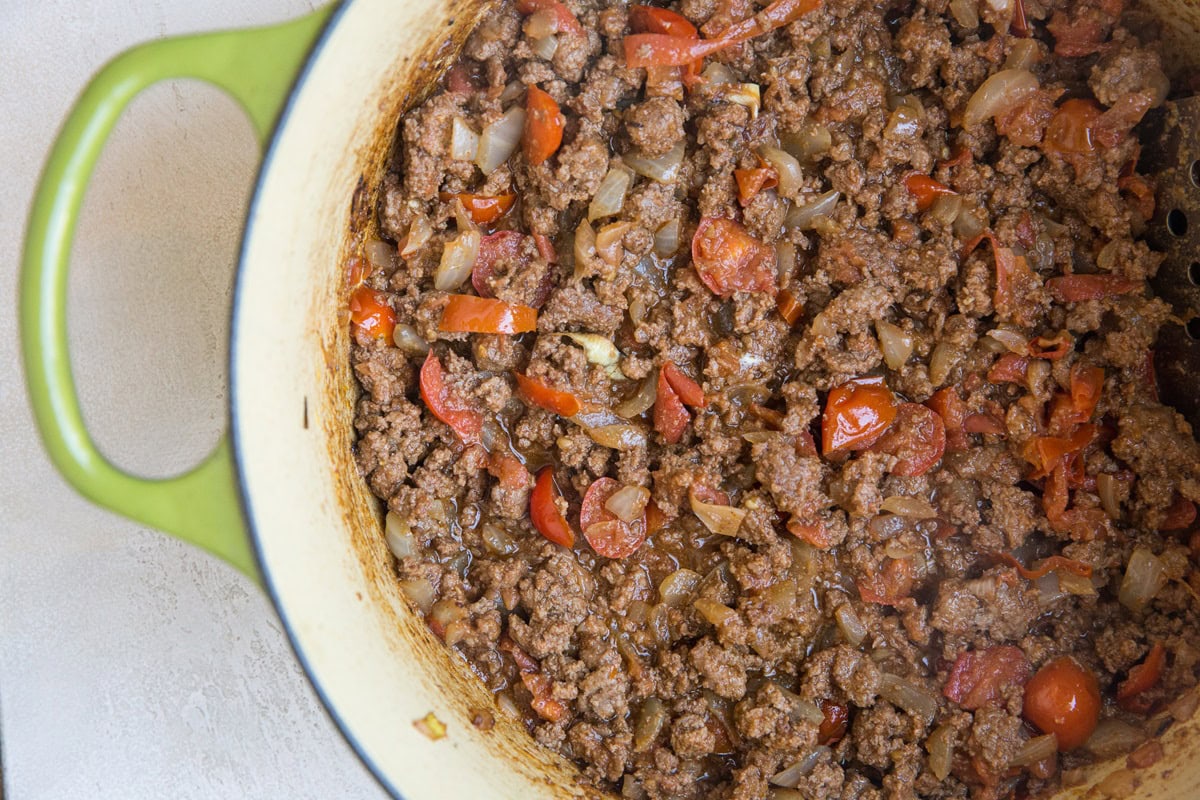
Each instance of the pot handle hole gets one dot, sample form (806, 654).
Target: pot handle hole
(257, 67)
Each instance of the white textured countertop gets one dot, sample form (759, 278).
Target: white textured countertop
(132, 666)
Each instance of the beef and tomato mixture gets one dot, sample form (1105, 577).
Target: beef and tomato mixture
(763, 396)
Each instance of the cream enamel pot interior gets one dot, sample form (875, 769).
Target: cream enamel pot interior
(313, 526)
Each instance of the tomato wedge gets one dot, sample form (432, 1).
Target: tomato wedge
(1077, 288)
(789, 307)
(369, 310)
(483, 209)
(857, 414)
(688, 390)
(567, 23)
(539, 394)
(446, 405)
(670, 417)
(953, 411)
(651, 19)
(752, 181)
(544, 512)
(926, 190)
(836, 719)
(1063, 698)
(544, 125)
(466, 313)
(728, 259)
(1142, 678)
(978, 677)
(917, 438)
(608, 535)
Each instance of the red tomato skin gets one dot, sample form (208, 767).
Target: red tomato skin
(651, 19)
(670, 417)
(979, 676)
(856, 415)
(369, 310)
(553, 400)
(465, 422)
(544, 513)
(608, 535)
(1077, 288)
(466, 313)
(926, 190)
(728, 259)
(917, 438)
(1064, 699)
(483, 209)
(833, 726)
(544, 124)
(688, 390)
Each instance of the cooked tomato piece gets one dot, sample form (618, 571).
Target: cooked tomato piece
(835, 723)
(1142, 191)
(651, 19)
(661, 50)
(814, 533)
(467, 313)
(953, 411)
(544, 125)
(447, 405)
(1071, 128)
(543, 702)
(608, 535)
(688, 390)
(1063, 698)
(1077, 288)
(1009, 368)
(926, 190)
(483, 209)
(670, 417)
(556, 401)
(856, 414)
(369, 310)
(508, 471)
(1142, 678)
(1051, 564)
(979, 677)
(789, 307)
(1017, 287)
(562, 15)
(1181, 514)
(1086, 385)
(544, 512)
(509, 246)
(917, 439)
(888, 586)
(1051, 347)
(984, 423)
(728, 259)
(545, 248)
(357, 271)
(1046, 452)
(752, 181)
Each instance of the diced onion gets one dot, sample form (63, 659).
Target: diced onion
(406, 338)
(1039, 748)
(1024, 54)
(497, 540)
(968, 224)
(786, 167)
(785, 258)
(584, 248)
(714, 612)
(595, 417)
(666, 239)
(641, 402)
(716, 72)
(965, 13)
(618, 437)
(1106, 487)
(610, 194)
(596, 348)
(1113, 737)
(999, 93)
(512, 90)
(500, 139)
(910, 507)
(1072, 583)
(940, 746)
(943, 359)
(651, 718)
(1145, 576)
(545, 47)
(804, 216)
(745, 94)
(420, 592)
(400, 538)
(908, 696)
(464, 142)
(418, 234)
(678, 586)
(809, 143)
(946, 208)
(790, 776)
(628, 502)
(1012, 341)
(381, 254)
(662, 168)
(1049, 590)
(541, 23)
(896, 344)
(850, 624)
(458, 257)
(722, 520)
(610, 241)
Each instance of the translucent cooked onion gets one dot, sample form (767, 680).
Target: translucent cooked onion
(497, 540)
(1039, 748)
(722, 520)
(418, 235)
(512, 90)
(610, 194)
(965, 13)
(464, 141)
(1145, 576)
(400, 538)
(716, 72)
(786, 167)
(946, 207)
(1113, 737)
(677, 587)
(651, 718)
(940, 746)
(584, 248)
(595, 417)
(803, 216)
(545, 47)
(896, 344)
(500, 139)
(610, 242)
(714, 612)
(541, 23)
(1106, 487)
(628, 502)
(1012, 341)
(406, 338)
(618, 437)
(380, 254)
(597, 349)
(1074, 584)
(666, 239)
(1048, 588)
(910, 507)
(943, 359)
(809, 142)
(641, 402)
(1024, 54)
(458, 257)
(790, 776)
(999, 93)
(662, 168)
(968, 224)
(420, 592)
(908, 696)
(745, 94)
(850, 624)
(785, 258)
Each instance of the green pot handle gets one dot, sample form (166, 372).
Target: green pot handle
(257, 67)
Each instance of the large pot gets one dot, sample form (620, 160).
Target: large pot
(281, 497)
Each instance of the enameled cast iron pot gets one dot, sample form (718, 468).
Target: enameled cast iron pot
(281, 498)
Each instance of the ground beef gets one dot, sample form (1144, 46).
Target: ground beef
(882, 453)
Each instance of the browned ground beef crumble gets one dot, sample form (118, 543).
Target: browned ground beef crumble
(649, 695)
